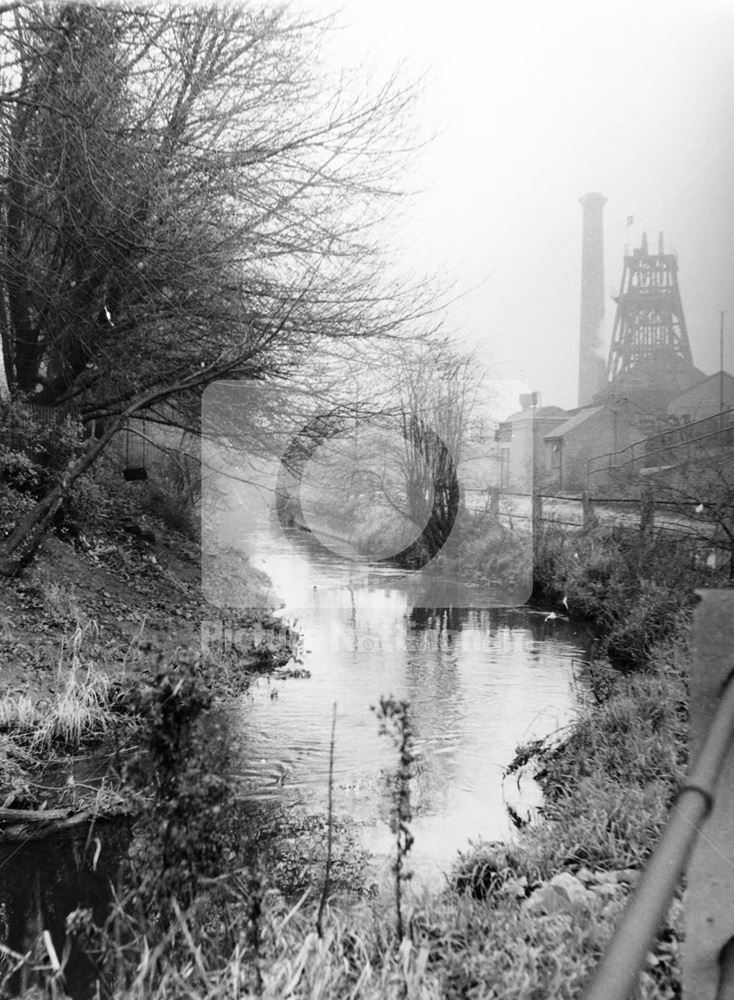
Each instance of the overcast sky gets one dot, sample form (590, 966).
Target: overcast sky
(538, 103)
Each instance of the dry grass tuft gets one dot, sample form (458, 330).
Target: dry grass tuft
(81, 708)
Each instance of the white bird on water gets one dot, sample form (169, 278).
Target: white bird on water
(553, 617)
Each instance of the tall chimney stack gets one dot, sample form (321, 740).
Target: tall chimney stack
(592, 369)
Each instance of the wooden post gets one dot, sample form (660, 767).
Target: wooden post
(709, 914)
(647, 510)
(587, 508)
(537, 512)
(493, 507)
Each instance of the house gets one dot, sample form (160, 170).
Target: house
(705, 398)
(520, 440)
(594, 430)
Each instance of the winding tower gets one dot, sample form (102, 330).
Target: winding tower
(649, 327)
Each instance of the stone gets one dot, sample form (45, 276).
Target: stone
(563, 894)
(606, 878)
(586, 876)
(571, 885)
(545, 901)
(607, 890)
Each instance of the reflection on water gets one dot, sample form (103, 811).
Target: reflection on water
(479, 681)
(42, 881)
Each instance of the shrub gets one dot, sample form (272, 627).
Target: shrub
(634, 586)
(186, 830)
(34, 448)
(13, 505)
(173, 493)
(482, 550)
(34, 451)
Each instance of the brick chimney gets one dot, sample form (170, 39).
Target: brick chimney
(592, 367)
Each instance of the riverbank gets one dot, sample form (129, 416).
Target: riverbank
(526, 920)
(86, 627)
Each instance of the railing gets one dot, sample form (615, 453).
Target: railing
(665, 448)
(682, 517)
(708, 970)
(40, 414)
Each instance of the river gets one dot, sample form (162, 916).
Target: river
(479, 682)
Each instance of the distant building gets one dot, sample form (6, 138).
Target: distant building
(645, 391)
(592, 431)
(520, 441)
(704, 398)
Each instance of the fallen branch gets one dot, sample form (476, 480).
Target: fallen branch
(32, 815)
(35, 830)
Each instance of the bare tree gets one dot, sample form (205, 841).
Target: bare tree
(437, 397)
(184, 200)
(404, 467)
(699, 495)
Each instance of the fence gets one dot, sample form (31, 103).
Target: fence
(15, 434)
(681, 517)
(707, 541)
(708, 959)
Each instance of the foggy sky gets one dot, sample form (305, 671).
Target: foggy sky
(535, 105)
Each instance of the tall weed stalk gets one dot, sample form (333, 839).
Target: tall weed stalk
(330, 832)
(394, 718)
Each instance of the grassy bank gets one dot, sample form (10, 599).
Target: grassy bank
(205, 912)
(201, 918)
(113, 593)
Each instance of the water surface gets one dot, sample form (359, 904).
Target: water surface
(479, 682)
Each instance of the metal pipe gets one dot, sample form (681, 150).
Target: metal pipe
(725, 990)
(616, 974)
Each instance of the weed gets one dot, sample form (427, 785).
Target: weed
(636, 587)
(84, 705)
(394, 718)
(484, 550)
(173, 493)
(61, 601)
(35, 447)
(330, 832)
(186, 828)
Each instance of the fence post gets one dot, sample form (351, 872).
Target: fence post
(537, 512)
(708, 913)
(587, 511)
(647, 510)
(493, 504)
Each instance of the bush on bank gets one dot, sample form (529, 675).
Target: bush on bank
(636, 587)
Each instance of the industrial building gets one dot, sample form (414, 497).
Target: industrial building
(648, 385)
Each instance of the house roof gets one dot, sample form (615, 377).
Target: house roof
(701, 382)
(535, 414)
(569, 425)
(551, 411)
